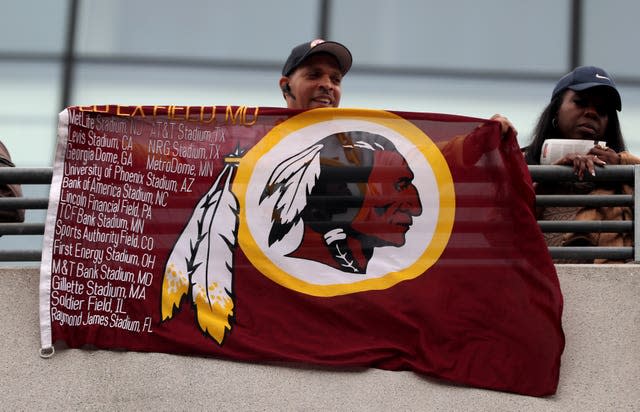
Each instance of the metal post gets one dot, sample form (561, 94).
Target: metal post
(323, 19)
(575, 43)
(68, 55)
(636, 212)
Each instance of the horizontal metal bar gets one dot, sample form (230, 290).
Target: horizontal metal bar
(591, 252)
(609, 226)
(20, 255)
(23, 203)
(584, 200)
(576, 253)
(346, 201)
(618, 173)
(625, 173)
(21, 228)
(26, 175)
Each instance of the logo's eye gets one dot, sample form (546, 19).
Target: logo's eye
(403, 184)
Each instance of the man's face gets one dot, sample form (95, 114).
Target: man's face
(315, 83)
(390, 202)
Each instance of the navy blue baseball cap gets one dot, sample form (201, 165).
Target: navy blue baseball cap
(302, 51)
(586, 77)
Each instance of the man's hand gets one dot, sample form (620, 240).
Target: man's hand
(504, 123)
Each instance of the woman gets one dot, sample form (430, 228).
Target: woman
(584, 105)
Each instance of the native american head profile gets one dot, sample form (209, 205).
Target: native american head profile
(352, 191)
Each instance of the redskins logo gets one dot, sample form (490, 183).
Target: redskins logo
(338, 201)
(330, 202)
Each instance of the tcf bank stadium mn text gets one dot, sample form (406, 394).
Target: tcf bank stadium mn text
(230, 115)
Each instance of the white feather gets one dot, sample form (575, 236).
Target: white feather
(366, 145)
(212, 275)
(202, 257)
(283, 170)
(176, 274)
(294, 197)
(220, 224)
(292, 180)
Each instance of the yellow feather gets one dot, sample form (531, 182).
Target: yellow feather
(174, 288)
(213, 317)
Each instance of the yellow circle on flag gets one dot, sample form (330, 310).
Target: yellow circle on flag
(310, 277)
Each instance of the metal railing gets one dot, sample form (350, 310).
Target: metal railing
(23, 176)
(629, 174)
(623, 174)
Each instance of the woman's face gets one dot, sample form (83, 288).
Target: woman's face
(584, 114)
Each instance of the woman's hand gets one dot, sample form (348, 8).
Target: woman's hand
(608, 155)
(582, 163)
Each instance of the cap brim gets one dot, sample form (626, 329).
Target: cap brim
(614, 92)
(337, 50)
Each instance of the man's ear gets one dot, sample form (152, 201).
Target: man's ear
(284, 80)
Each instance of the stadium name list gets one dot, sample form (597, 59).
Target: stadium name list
(120, 169)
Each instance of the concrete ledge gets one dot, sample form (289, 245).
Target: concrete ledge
(600, 366)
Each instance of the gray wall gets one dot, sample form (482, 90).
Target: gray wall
(600, 366)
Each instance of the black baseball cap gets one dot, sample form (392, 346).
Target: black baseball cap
(586, 77)
(304, 50)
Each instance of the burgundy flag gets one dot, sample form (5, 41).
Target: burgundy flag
(340, 237)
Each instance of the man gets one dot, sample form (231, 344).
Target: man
(312, 75)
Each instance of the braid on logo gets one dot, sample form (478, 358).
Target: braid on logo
(337, 243)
